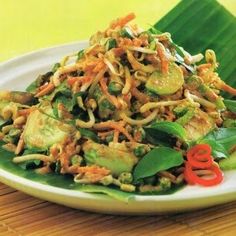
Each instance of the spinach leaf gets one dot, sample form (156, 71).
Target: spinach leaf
(164, 133)
(88, 134)
(112, 192)
(230, 104)
(156, 160)
(218, 150)
(221, 140)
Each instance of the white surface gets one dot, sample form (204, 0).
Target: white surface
(17, 73)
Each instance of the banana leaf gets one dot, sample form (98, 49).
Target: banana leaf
(200, 25)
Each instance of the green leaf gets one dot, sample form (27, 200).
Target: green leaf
(200, 25)
(230, 104)
(224, 137)
(164, 131)
(114, 193)
(88, 134)
(156, 160)
(218, 150)
(32, 87)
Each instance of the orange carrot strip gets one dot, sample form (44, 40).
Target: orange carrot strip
(99, 67)
(113, 125)
(116, 136)
(110, 97)
(227, 88)
(82, 79)
(143, 98)
(49, 88)
(93, 170)
(204, 66)
(118, 51)
(25, 112)
(71, 80)
(164, 61)
(122, 21)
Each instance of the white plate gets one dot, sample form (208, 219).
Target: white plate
(17, 74)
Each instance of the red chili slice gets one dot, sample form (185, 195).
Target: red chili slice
(199, 156)
(192, 178)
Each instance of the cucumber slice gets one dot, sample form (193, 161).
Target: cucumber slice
(165, 84)
(229, 163)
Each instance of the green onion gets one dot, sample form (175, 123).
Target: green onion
(56, 67)
(111, 43)
(126, 33)
(80, 54)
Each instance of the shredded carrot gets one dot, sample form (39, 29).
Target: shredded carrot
(204, 66)
(163, 59)
(137, 42)
(122, 21)
(47, 89)
(143, 98)
(227, 88)
(82, 79)
(110, 97)
(103, 135)
(116, 136)
(113, 125)
(25, 112)
(118, 51)
(71, 80)
(99, 67)
(93, 170)
(122, 42)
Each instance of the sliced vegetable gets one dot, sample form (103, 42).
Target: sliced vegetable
(126, 33)
(158, 159)
(111, 43)
(229, 163)
(115, 160)
(199, 158)
(164, 84)
(24, 98)
(42, 131)
(192, 178)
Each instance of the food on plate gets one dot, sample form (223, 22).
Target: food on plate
(132, 111)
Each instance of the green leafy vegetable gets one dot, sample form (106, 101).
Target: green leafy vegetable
(215, 27)
(111, 43)
(221, 140)
(88, 134)
(158, 159)
(230, 104)
(164, 131)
